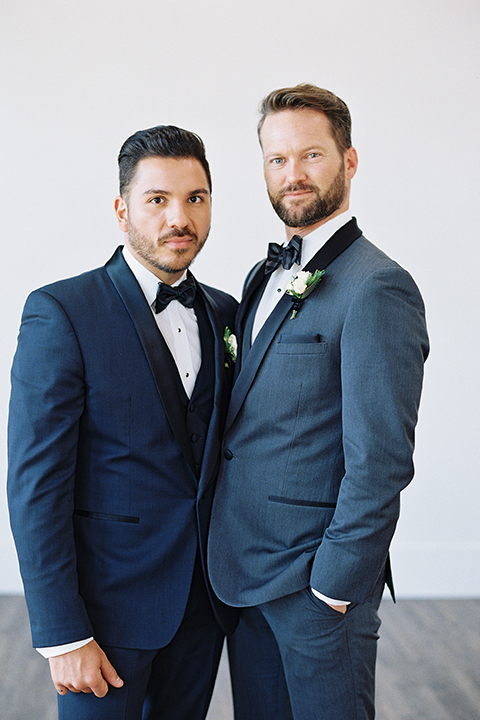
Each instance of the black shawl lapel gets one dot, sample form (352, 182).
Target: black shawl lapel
(334, 246)
(254, 288)
(253, 282)
(212, 443)
(157, 353)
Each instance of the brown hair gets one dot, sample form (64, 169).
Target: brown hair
(310, 96)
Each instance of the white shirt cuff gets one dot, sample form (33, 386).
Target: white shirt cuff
(330, 601)
(56, 650)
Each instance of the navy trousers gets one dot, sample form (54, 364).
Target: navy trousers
(296, 658)
(172, 683)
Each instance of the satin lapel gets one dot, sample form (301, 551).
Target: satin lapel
(212, 443)
(253, 281)
(334, 246)
(158, 355)
(246, 311)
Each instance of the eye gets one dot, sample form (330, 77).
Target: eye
(156, 200)
(276, 161)
(195, 199)
(313, 155)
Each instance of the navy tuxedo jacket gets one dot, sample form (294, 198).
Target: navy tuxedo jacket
(107, 507)
(320, 432)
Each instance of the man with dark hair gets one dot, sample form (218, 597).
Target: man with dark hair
(319, 435)
(170, 141)
(120, 385)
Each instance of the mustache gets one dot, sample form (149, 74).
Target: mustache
(177, 232)
(297, 186)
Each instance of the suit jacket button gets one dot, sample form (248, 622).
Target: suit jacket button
(227, 454)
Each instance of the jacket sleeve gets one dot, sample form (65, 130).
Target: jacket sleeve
(46, 405)
(383, 348)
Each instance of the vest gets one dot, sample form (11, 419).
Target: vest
(198, 409)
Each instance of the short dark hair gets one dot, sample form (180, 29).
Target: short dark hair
(159, 141)
(310, 96)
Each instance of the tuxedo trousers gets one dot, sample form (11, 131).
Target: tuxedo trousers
(170, 683)
(296, 658)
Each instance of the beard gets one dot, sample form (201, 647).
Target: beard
(320, 207)
(153, 252)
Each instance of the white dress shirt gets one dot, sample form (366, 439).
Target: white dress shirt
(276, 287)
(179, 328)
(178, 324)
(280, 278)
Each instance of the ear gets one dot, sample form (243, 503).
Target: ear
(121, 211)
(351, 162)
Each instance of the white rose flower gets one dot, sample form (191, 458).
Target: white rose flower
(299, 284)
(232, 343)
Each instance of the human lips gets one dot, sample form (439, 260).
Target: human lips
(295, 192)
(179, 240)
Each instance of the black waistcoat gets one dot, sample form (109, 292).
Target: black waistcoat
(198, 409)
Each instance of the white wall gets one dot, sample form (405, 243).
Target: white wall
(78, 78)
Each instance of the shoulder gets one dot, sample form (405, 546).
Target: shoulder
(251, 275)
(363, 265)
(379, 299)
(81, 291)
(367, 257)
(74, 284)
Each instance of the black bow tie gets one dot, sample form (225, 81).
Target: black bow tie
(185, 293)
(288, 255)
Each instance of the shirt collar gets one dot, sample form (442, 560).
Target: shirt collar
(318, 237)
(145, 278)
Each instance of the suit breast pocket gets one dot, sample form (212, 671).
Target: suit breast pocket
(292, 344)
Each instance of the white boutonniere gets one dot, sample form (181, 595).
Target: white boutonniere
(301, 286)
(230, 344)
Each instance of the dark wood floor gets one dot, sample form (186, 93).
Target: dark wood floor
(428, 667)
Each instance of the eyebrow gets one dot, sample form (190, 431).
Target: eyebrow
(309, 148)
(153, 191)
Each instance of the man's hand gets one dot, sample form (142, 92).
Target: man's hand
(339, 608)
(84, 670)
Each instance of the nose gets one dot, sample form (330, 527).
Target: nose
(295, 172)
(177, 216)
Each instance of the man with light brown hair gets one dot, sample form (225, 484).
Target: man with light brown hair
(320, 432)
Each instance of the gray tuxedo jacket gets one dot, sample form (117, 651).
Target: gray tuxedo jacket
(320, 433)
